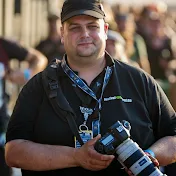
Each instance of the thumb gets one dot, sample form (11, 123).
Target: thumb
(95, 139)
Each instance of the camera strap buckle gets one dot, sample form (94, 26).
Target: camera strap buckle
(53, 85)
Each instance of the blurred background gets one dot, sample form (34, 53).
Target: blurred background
(26, 20)
(142, 33)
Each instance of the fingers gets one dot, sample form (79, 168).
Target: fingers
(97, 167)
(94, 140)
(98, 156)
(90, 159)
(154, 160)
(129, 172)
(94, 154)
(94, 164)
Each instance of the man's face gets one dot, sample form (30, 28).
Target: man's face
(84, 36)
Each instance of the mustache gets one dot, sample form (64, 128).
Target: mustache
(85, 41)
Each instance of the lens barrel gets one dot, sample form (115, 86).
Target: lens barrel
(130, 155)
(117, 141)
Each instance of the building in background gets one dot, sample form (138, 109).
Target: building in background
(26, 20)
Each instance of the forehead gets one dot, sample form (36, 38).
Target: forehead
(83, 19)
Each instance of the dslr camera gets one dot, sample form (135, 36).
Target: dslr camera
(117, 142)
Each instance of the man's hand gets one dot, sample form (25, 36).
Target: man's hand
(88, 158)
(154, 160)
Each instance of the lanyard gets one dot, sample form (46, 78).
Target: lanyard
(78, 81)
(83, 86)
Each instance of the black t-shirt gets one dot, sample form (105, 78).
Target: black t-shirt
(130, 95)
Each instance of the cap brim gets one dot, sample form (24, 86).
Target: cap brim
(83, 12)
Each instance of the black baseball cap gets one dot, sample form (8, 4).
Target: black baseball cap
(72, 8)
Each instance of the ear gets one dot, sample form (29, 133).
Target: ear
(106, 27)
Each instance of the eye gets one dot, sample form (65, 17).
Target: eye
(74, 28)
(93, 27)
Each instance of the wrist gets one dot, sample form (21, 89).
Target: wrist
(75, 156)
(150, 152)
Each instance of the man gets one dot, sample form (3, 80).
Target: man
(135, 44)
(100, 91)
(52, 47)
(115, 46)
(159, 49)
(10, 49)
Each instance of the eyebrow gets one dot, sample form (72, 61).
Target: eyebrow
(74, 23)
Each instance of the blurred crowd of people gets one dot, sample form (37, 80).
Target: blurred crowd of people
(35, 62)
(144, 37)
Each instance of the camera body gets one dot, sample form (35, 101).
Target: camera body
(115, 136)
(117, 142)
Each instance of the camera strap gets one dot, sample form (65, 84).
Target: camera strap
(57, 99)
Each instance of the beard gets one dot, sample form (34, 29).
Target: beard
(86, 50)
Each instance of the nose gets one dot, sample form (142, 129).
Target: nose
(85, 32)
